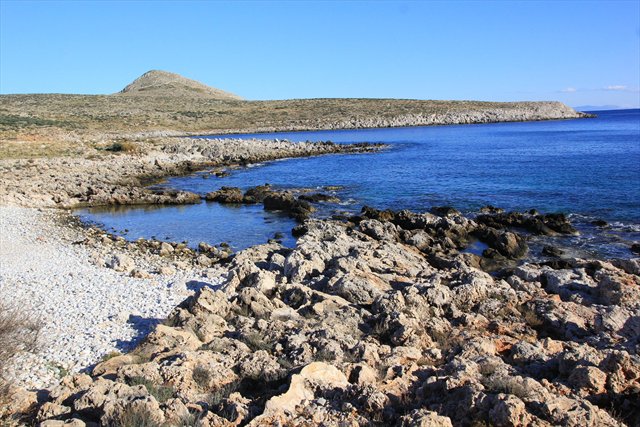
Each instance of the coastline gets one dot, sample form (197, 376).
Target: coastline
(346, 309)
(122, 178)
(371, 307)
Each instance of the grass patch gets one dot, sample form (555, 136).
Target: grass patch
(217, 396)
(162, 393)
(19, 332)
(506, 385)
(133, 416)
(201, 376)
(256, 341)
(111, 355)
(10, 122)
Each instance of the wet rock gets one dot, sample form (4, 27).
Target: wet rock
(287, 202)
(552, 251)
(489, 209)
(256, 194)
(319, 197)
(444, 211)
(225, 195)
(549, 224)
(506, 243)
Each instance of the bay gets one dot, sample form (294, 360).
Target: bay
(587, 168)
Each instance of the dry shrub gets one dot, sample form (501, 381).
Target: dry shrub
(123, 147)
(19, 331)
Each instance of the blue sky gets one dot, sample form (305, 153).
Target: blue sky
(576, 52)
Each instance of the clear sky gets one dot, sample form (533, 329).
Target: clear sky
(581, 53)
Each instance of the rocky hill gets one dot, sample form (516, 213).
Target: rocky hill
(163, 83)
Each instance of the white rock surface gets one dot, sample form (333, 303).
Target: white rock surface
(86, 311)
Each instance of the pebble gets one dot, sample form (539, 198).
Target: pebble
(86, 311)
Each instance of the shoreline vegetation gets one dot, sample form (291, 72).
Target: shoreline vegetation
(381, 318)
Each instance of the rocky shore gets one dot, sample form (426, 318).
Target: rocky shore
(121, 171)
(382, 319)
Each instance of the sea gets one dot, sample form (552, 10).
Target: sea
(588, 169)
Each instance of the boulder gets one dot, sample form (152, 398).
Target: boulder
(301, 387)
(121, 262)
(225, 195)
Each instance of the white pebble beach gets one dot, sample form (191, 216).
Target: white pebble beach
(86, 311)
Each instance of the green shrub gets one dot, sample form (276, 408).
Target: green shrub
(162, 393)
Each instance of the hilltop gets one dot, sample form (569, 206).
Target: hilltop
(163, 83)
(166, 104)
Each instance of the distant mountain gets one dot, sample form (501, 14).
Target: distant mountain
(597, 107)
(163, 83)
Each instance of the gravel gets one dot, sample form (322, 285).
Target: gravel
(87, 311)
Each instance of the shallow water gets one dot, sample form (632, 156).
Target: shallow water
(589, 168)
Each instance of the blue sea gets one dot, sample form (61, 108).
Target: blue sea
(586, 168)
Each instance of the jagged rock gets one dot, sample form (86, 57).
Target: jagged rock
(318, 373)
(506, 243)
(379, 230)
(588, 377)
(389, 302)
(319, 197)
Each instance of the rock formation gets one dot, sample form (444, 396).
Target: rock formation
(383, 320)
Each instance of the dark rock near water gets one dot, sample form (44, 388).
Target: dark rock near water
(319, 197)
(549, 224)
(489, 209)
(299, 230)
(600, 223)
(256, 194)
(635, 248)
(552, 251)
(444, 211)
(287, 202)
(225, 195)
(506, 243)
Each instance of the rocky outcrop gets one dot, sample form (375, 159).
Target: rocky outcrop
(381, 320)
(296, 203)
(122, 179)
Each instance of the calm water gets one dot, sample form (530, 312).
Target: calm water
(589, 168)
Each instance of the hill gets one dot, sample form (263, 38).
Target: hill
(163, 83)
